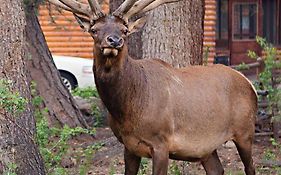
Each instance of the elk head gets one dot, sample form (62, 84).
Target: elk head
(110, 31)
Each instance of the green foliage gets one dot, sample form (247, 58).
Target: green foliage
(144, 166)
(88, 155)
(242, 66)
(275, 144)
(54, 149)
(11, 169)
(96, 112)
(54, 142)
(235, 173)
(272, 155)
(269, 155)
(174, 169)
(274, 94)
(252, 54)
(273, 97)
(11, 101)
(85, 93)
(206, 55)
(112, 170)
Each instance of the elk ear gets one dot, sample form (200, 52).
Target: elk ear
(83, 22)
(137, 25)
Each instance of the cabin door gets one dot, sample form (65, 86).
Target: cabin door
(244, 25)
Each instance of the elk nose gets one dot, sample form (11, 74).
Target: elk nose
(115, 41)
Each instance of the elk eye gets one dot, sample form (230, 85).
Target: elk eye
(94, 31)
(125, 32)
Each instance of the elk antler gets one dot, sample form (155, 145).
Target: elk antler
(96, 9)
(127, 9)
(130, 8)
(59, 4)
(124, 8)
(73, 6)
(155, 4)
(92, 11)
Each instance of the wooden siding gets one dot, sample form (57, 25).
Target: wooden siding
(209, 40)
(63, 34)
(65, 37)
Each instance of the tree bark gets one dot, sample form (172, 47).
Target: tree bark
(17, 145)
(174, 33)
(61, 106)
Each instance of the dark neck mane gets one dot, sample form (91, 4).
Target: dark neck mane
(123, 88)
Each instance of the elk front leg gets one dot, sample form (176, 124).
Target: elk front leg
(132, 163)
(160, 160)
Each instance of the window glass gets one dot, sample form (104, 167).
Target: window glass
(222, 20)
(279, 31)
(245, 21)
(269, 21)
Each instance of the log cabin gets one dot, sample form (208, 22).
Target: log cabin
(230, 28)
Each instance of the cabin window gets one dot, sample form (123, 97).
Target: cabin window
(271, 21)
(244, 21)
(222, 23)
(279, 24)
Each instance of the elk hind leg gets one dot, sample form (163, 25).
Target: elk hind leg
(244, 148)
(212, 164)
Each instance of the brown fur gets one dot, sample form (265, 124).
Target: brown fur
(161, 112)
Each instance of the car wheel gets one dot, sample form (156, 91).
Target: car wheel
(68, 80)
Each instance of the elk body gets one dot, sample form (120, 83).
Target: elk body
(161, 112)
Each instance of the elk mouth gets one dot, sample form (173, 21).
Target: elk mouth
(109, 51)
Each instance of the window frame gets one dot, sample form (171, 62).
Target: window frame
(277, 32)
(233, 17)
(278, 23)
(221, 42)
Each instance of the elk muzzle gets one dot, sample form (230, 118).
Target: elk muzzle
(115, 41)
(114, 44)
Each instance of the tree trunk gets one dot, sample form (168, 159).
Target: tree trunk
(173, 33)
(56, 98)
(17, 145)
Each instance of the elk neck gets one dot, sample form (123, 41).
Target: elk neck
(122, 86)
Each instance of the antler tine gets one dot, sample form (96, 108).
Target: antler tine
(124, 8)
(59, 4)
(95, 7)
(155, 4)
(142, 6)
(138, 6)
(73, 6)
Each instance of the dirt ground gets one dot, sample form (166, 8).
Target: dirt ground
(108, 159)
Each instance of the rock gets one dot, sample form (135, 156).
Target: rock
(83, 104)
(86, 107)
(229, 144)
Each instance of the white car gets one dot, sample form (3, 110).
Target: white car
(75, 71)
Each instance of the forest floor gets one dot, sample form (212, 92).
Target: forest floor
(108, 158)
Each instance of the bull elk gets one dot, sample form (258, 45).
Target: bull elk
(161, 112)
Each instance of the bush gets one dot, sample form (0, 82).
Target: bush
(54, 145)
(85, 93)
